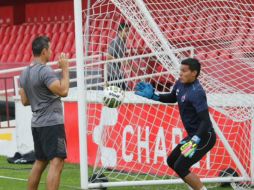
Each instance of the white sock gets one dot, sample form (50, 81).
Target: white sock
(203, 188)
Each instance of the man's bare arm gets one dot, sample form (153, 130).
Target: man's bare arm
(24, 99)
(61, 87)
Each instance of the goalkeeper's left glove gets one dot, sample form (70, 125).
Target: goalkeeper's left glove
(146, 90)
(189, 148)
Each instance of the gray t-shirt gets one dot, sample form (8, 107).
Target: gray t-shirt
(46, 107)
(116, 49)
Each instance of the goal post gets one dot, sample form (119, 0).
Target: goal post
(133, 141)
(81, 88)
(252, 151)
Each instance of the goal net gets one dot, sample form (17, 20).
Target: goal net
(130, 144)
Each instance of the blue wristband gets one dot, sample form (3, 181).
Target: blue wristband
(155, 97)
(196, 139)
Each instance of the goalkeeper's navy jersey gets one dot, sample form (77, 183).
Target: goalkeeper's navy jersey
(191, 100)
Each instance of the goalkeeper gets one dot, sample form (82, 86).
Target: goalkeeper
(192, 102)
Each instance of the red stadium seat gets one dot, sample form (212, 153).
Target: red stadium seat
(56, 27)
(1, 49)
(12, 39)
(73, 48)
(8, 30)
(7, 48)
(231, 30)
(251, 24)
(26, 38)
(117, 18)
(179, 29)
(104, 23)
(139, 43)
(70, 27)
(224, 55)
(62, 36)
(14, 29)
(212, 54)
(63, 27)
(21, 48)
(95, 36)
(169, 32)
(210, 27)
(188, 34)
(248, 44)
(14, 48)
(5, 39)
(70, 37)
(103, 45)
(54, 40)
(94, 24)
(199, 27)
(18, 58)
(104, 33)
(34, 29)
(2, 29)
(112, 34)
(73, 55)
(41, 29)
(59, 47)
(48, 28)
(28, 28)
(238, 41)
(111, 25)
(4, 58)
(201, 55)
(67, 47)
(221, 26)
(31, 59)
(26, 58)
(11, 58)
(28, 48)
(19, 39)
(1, 36)
(243, 25)
(93, 47)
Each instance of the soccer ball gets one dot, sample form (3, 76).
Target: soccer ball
(113, 96)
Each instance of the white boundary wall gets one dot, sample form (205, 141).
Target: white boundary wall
(24, 114)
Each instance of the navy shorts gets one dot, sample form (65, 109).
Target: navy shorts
(181, 164)
(49, 142)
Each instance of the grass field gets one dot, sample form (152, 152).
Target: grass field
(70, 178)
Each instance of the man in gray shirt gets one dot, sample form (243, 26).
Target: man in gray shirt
(116, 50)
(42, 89)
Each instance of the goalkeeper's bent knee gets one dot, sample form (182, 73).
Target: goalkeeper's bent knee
(181, 170)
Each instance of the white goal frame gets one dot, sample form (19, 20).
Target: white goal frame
(82, 111)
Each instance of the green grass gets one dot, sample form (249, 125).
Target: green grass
(70, 178)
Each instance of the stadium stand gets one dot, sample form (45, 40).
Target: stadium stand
(15, 46)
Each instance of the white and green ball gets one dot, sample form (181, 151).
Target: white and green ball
(113, 96)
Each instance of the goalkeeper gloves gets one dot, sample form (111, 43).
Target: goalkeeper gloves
(189, 148)
(146, 90)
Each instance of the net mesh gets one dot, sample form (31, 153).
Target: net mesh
(134, 140)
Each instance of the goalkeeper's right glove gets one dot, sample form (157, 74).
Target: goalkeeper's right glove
(146, 90)
(189, 148)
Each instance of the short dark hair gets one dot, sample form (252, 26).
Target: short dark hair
(193, 64)
(39, 43)
(122, 26)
